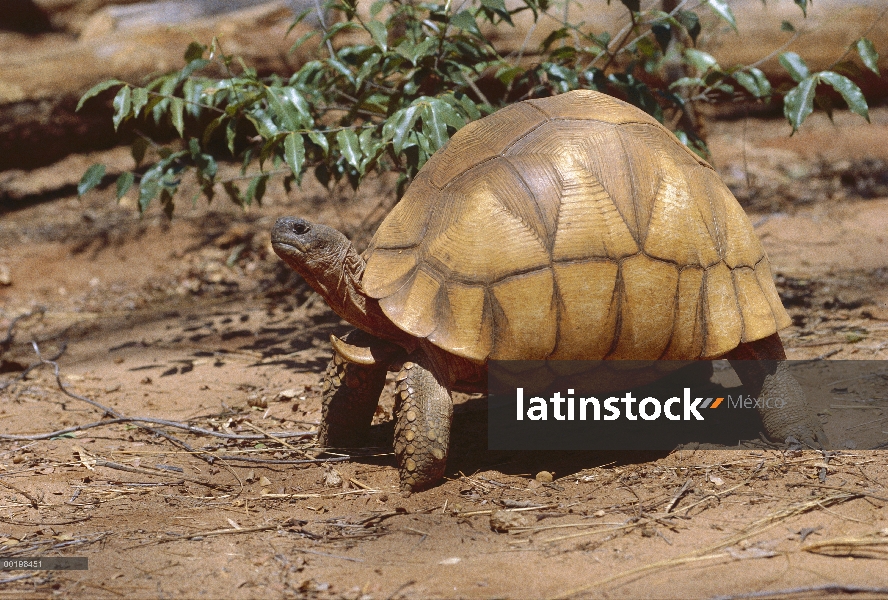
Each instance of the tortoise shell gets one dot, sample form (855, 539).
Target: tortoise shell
(572, 227)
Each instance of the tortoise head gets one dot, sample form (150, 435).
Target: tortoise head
(329, 263)
(313, 250)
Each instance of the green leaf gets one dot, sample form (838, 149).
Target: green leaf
(138, 149)
(468, 105)
(256, 190)
(721, 8)
(148, 190)
(399, 125)
(342, 69)
(368, 68)
(849, 91)
(868, 54)
(366, 141)
(96, 90)
(295, 98)
(663, 35)
(377, 7)
(378, 33)
(206, 166)
(124, 183)
(294, 153)
(286, 112)
(90, 179)
(803, 4)
(211, 128)
(787, 26)
(645, 46)
(332, 31)
(498, 7)
(177, 105)
(230, 133)
(754, 81)
(700, 60)
(795, 66)
(466, 21)
(349, 146)
(263, 122)
(825, 104)
(233, 193)
(507, 73)
(691, 22)
(194, 65)
(686, 82)
(558, 34)
(194, 51)
(799, 102)
(413, 52)
(122, 105)
(633, 5)
(433, 126)
(321, 140)
(302, 39)
(140, 99)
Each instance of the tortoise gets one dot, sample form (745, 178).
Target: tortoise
(568, 227)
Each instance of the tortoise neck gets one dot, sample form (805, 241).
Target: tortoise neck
(341, 288)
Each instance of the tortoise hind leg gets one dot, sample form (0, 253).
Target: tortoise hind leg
(761, 366)
(351, 394)
(423, 414)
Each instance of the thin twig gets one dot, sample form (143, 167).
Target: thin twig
(830, 588)
(270, 461)
(348, 558)
(176, 424)
(17, 578)
(21, 376)
(271, 436)
(110, 411)
(35, 503)
(6, 342)
(678, 495)
(158, 473)
(323, 23)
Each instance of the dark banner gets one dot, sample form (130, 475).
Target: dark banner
(662, 405)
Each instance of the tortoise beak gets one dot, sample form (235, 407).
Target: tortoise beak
(285, 236)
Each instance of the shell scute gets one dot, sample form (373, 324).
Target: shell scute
(647, 308)
(483, 139)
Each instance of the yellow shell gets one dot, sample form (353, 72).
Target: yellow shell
(572, 227)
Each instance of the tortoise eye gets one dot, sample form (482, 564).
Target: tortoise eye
(300, 228)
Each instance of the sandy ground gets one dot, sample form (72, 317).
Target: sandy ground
(195, 320)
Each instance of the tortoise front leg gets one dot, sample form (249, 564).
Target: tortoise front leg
(761, 366)
(423, 414)
(351, 394)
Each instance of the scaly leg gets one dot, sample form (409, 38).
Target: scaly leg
(761, 366)
(423, 413)
(351, 394)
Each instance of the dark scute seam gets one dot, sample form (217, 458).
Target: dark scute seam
(616, 297)
(674, 317)
(550, 244)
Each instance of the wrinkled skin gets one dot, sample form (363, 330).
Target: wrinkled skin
(427, 375)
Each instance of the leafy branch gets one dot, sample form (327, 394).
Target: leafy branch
(386, 89)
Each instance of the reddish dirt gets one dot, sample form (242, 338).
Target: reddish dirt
(197, 320)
